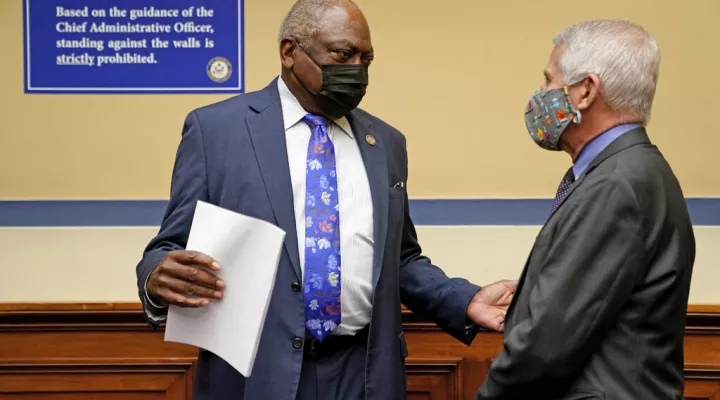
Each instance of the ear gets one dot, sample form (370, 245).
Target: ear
(589, 92)
(287, 52)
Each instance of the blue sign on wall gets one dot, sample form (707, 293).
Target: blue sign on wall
(133, 46)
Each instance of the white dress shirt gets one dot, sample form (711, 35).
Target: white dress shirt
(355, 202)
(356, 211)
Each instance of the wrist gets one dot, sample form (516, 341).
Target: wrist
(155, 302)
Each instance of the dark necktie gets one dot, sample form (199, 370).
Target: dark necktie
(322, 233)
(562, 190)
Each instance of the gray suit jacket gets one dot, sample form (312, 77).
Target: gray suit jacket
(600, 308)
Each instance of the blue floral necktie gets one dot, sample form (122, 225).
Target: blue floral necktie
(322, 233)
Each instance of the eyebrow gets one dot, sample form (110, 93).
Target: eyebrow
(341, 42)
(347, 43)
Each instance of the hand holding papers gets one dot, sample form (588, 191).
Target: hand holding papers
(248, 251)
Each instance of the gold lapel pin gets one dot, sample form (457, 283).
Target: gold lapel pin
(371, 140)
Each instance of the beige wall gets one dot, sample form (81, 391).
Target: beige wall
(459, 66)
(98, 264)
(452, 75)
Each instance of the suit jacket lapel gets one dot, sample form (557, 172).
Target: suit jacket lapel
(375, 159)
(628, 139)
(267, 133)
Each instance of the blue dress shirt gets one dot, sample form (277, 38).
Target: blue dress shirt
(597, 145)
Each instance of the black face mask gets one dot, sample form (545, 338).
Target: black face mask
(343, 87)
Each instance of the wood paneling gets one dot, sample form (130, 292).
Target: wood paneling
(702, 382)
(434, 378)
(88, 351)
(106, 351)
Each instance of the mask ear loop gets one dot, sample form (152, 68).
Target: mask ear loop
(302, 48)
(577, 116)
(292, 70)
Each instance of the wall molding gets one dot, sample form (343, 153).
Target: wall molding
(701, 319)
(704, 211)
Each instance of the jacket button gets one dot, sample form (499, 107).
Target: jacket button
(296, 286)
(297, 343)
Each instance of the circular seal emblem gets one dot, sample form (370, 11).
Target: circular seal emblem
(219, 69)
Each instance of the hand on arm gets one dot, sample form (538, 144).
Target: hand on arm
(452, 303)
(488, 307)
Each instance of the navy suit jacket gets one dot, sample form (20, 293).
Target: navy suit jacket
(233, 154)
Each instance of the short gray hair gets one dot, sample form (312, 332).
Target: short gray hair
(305, 19)
(624, 56)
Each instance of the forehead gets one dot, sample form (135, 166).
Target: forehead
(555, 55)
(343, 26)
(552, 68)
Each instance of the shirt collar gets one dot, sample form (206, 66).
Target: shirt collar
(597, 145)
(293, 112)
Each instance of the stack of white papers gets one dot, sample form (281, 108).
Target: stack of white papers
(248, 251)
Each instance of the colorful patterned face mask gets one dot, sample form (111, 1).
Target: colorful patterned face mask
(547, 115)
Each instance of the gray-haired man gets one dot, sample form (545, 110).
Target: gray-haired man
(600, 308)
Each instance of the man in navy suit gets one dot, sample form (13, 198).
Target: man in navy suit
(299, 154)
